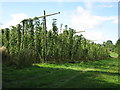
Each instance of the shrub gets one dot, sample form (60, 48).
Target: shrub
(5, 55)
(20, 59)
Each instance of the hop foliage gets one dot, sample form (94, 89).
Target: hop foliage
(29, 43)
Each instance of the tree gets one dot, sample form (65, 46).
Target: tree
(118, 47)
(109, 45)
(109, 42)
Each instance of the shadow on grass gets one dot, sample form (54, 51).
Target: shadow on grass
(43, 77)
(107, 73)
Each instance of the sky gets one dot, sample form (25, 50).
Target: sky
(99, 20)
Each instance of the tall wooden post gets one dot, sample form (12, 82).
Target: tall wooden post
(45, 19)
(22, 44)
(45, 38)
(45, 33)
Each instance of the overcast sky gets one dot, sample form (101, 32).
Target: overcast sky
(98, 19)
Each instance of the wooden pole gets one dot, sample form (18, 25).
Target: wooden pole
(48, 14)
(42, 16)
(79, 31)
(45, 37)
(45, 19)
(45, 59)
(22, 43)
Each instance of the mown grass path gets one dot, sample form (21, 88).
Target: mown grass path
(94, 74)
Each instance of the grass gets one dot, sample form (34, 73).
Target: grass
(94, 74)
(113, 54)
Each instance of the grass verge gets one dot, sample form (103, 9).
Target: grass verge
(94, 74)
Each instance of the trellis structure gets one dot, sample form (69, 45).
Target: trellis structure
(44, 26)
(29, 41)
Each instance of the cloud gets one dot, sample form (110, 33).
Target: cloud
(83, 19)
(107, 6)
(115, 19)
(16, 18)
(99, 37)
(88, 5)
